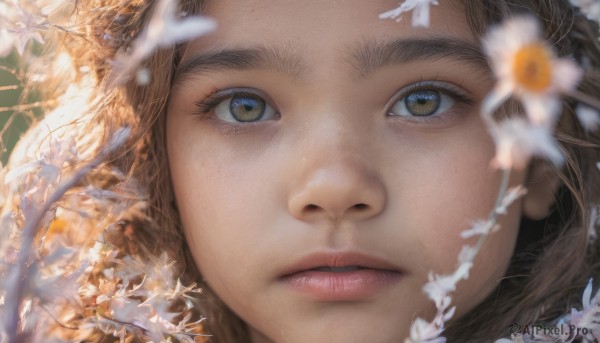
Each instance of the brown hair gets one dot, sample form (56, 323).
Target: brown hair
(553, 258)
(144, 107)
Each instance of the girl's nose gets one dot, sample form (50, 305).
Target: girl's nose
(336, 189)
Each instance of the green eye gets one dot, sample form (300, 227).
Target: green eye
(422, 103)
(243, 108)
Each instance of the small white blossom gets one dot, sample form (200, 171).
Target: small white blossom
(511, 196)
(420, 10)
(423, 332)
(480, 227)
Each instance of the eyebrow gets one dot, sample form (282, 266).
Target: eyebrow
(366, 57)
(370, 55)
(277, 59)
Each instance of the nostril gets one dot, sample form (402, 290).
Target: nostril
(360, 206)
(311, 208)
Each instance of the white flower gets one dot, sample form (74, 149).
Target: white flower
(588, 316)
(163, 30)
(424, 332)
(440, 286)
(588, 117)
(527, 68)
(21, 24)
(55, 12)
(591, 8)
(480, 227)
(518, 140)
(21, 21)
(511, 196)
(420, 10)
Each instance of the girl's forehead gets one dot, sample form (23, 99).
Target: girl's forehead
(323, 24)
(293, 37)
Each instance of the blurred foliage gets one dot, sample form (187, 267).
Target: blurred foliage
(13, 120)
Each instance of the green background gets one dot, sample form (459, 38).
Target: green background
(12, 128)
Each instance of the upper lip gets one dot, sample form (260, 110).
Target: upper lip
(339, 259)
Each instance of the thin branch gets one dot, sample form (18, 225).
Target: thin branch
(24, 107)
(493, 217)
(9, 88)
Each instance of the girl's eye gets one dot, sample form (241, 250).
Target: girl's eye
(243, 108)
(422, 103)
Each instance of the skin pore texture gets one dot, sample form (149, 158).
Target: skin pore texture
(337, 163)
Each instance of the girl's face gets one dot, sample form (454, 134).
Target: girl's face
(324, 161)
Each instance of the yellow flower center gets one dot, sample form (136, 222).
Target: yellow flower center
(532, 67)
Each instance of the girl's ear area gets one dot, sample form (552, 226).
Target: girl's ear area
(542, 183)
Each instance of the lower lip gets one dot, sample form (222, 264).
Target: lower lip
(342, 286)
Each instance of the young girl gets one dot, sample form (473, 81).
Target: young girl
(308, 165)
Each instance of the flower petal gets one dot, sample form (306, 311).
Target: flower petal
(542, 110)
(567, 75)
(187, 29)
(588, 117)
(517, 141)
(587, 294)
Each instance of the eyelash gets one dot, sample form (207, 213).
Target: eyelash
(207, 104)
(205, 107)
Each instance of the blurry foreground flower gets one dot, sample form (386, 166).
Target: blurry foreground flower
(591, 8)
(420, 10)
(22, 21)
(19, 27)
(78, 259)
(527, 68)
(164, 29)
